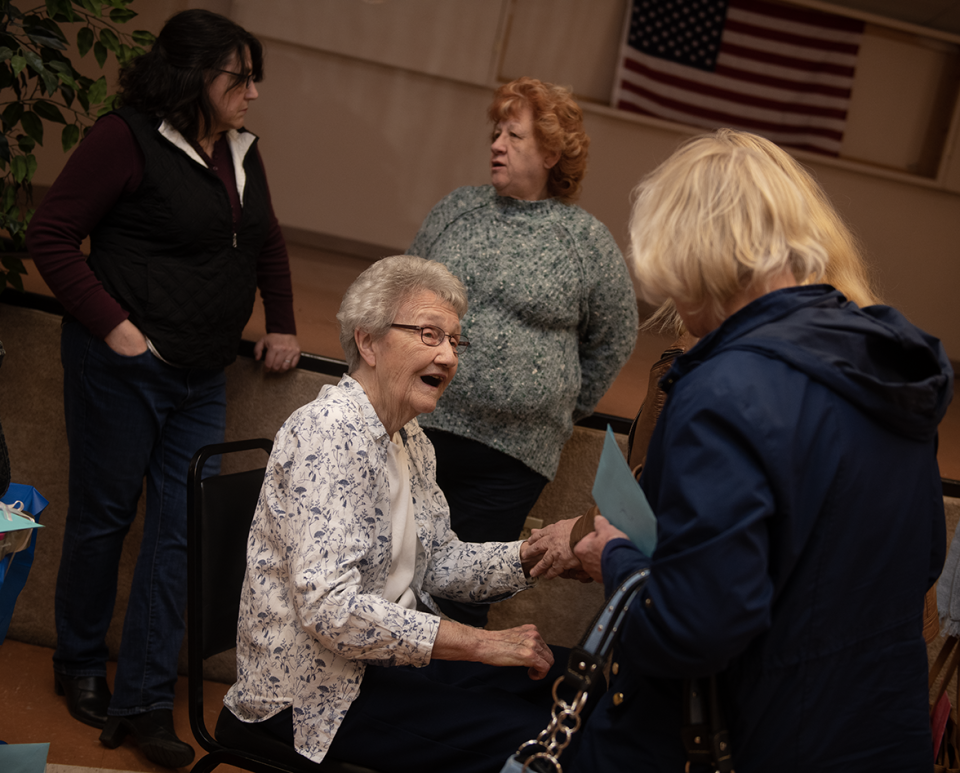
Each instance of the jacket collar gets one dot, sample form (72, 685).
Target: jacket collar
(240, 143)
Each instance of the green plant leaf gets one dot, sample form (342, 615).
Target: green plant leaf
(13, 263)
(68, 91)
(70, 136)
(11, 115)
(18, 168)
(109, 38)
(32, 125)
(10, 196)
(84, 99)
(122, 15)
(65, 72)
(99, 53)
(64, 10)
(31, 166)
(14, 279)
(98, 91)
(5, 53)
(93, 6)
(25, 143)
(84, 40)
(48, 111)
(34, 60)
(143, 38)
(45, 38)
(4, 149)
(17, 62)
(6, 77)
(50, 82)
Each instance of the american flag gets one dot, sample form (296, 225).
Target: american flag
(780, 71)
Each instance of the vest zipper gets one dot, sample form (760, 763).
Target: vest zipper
(234, 240)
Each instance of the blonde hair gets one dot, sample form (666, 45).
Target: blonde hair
(846, 267)
(715, 219)
(557, 127)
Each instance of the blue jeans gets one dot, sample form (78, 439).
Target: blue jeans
(129, 418)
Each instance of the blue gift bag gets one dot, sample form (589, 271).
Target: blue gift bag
(15, 567)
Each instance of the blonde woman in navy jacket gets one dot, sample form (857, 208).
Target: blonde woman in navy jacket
(793, 473)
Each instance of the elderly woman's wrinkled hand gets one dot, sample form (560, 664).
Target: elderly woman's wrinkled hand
(520, 646)
(550, 547)
(590, 549)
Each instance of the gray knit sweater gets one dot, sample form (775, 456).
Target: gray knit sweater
(552, 319)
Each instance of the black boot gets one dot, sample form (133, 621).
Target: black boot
(87, 697)
(154, 734)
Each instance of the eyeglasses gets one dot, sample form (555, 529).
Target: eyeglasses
(239, 75)
(434, 336)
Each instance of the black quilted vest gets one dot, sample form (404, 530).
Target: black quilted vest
(169, 254)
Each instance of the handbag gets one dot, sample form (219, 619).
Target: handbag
(944, 725)
(541, 755)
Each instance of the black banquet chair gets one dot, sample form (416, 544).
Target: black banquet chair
(219, 511)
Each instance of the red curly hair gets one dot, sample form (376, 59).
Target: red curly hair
(557, 126)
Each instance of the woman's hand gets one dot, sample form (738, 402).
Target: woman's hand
(280, 352)
(126, 339)
(590, 549)
(550, 552)
(520, 646)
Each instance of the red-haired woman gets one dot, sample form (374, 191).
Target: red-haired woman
(552, 313)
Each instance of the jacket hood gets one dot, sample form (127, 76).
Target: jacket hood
(872, 356)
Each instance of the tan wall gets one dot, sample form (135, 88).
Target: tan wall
(371, 112)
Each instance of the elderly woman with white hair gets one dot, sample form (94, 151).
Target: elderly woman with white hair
(341, 649)
(794, 477)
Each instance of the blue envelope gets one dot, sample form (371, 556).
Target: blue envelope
(621, 500)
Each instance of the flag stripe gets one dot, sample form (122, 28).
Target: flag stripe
(801, 42)
(780, 135)
(804, 16)
(780, 71)
(723, 112)
(766, 73)
(773, 54)
(785, 100)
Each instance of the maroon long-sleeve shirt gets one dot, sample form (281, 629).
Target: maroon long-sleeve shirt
(105, 166)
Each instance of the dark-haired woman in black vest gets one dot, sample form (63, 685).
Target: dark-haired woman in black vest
(172, 192)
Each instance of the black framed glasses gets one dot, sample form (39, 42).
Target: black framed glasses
(246, 81)
(434, 336)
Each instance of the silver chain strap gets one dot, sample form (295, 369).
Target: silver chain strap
(564, 722)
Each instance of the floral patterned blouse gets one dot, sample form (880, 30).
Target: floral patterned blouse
(312, 613)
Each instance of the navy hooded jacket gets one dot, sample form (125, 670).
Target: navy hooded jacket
(800, 519)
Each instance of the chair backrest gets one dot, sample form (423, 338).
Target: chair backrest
(219, 511)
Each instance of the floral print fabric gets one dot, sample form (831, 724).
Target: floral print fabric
(312, 613)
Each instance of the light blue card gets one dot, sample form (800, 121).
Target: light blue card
(621, 500)
(24, 757)
(11, 521)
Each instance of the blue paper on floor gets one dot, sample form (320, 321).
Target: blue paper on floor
(24, 757)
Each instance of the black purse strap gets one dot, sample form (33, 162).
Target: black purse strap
(588, 657)
(704, 734)
(585, 664)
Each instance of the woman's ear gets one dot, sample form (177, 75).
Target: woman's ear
(549, 162)
(364, 341)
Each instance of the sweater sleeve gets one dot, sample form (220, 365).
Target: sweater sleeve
(608, 329)
(273, 276)
(107, 164)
